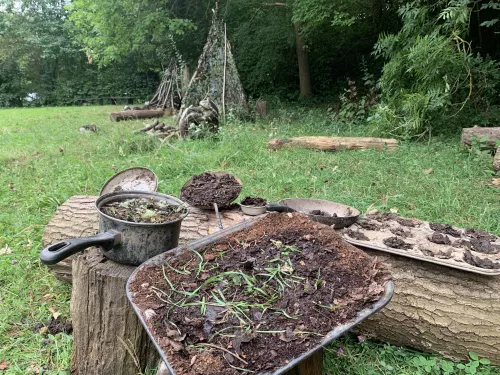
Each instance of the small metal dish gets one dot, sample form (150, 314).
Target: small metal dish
(253, 210)
(132, 179)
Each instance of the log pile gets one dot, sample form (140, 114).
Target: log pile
(334, 143)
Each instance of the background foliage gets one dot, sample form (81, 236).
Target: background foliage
(431, 65)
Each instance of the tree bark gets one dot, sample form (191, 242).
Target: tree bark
(136, 114)
(186, 77)
(496, 161)
(310, 366)
(108, 338)
(77, 217)
(440, 310)
(261, 108)
(303, 59)
(477, 133)
(334, 143)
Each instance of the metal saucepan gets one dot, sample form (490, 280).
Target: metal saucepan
(122, 241)
(340, 215)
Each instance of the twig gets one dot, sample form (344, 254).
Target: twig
(224, 78)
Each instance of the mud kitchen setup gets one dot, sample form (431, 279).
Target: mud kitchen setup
(213, 284)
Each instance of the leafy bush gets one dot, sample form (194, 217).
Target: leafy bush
(431, 72)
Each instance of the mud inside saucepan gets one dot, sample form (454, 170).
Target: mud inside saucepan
(143, 210)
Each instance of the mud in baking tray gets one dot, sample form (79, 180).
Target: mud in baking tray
(469, 250)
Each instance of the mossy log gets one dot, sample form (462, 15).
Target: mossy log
(136, 114)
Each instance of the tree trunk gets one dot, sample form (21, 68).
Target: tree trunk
(303, 59)
(310, 366)
(77, 217)
(108, 338)
(334, 143)
(261, 108)
(438, 309)
(475, 134)
(496, 161)
(136, 114)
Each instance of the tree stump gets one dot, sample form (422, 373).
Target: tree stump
(477, 133)
(496, 161)
(261, 108)
(108, 338)
(310, 366)
(77, 217)
(438, 309)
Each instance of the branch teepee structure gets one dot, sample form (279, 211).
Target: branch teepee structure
(169, 93)
(216, 77)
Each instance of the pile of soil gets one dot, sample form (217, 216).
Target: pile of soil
(452, 246)
(55, 326)
(254, 201)
(208, 188)
(144, 210)
(256, 299)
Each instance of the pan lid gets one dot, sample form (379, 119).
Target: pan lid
(136, 179)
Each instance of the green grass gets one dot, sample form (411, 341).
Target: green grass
(44, 160)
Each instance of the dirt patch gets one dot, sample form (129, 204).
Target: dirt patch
(369, 224)
(55, 326)
(321, 213)
(357, 235)
(445, 229)
(397, 243)
(254, 201)
(480, 235)
(384, 217)
(439, 238)
(282, 285)
(207, 188)
(144, 210)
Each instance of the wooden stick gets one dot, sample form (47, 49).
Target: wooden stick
(334, 143)
(224, 78)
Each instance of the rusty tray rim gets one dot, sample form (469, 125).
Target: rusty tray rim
(424, 258)
(332, 335)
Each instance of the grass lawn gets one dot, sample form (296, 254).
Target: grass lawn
(44, 160)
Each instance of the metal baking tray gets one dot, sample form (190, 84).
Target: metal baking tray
(422, 257)
(331, 336)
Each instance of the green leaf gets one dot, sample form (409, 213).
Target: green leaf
(473, 356)
(484, 361)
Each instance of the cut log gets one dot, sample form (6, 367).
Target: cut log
(335, 143)
(496, 161)
(108, 338)
(136, 114)
(261, 108)
(77, 217)
(440, 310)
(477, 134)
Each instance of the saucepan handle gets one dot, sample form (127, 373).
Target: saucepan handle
(63, 249)
(279, 208)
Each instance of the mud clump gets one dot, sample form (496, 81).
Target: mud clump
(439, 238)
(476, 261)
(445, 229)
(321, 213)
(208, 188)
(401, 232)
(360, 236)
(397, 243)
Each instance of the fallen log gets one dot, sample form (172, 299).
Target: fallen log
(136, 114)
(335, 143)
(438, 309)
(487, 138)
(496, 161)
